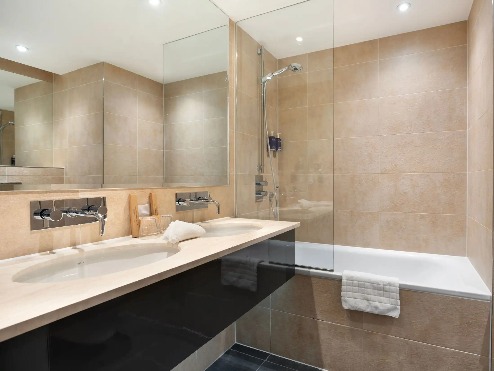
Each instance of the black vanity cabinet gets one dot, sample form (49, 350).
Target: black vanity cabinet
(158, 326)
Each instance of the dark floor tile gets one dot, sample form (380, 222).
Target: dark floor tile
(237, 361)
(268, 366)
(250, 351)
(290, 364)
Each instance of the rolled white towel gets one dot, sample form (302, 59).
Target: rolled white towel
(179, 231)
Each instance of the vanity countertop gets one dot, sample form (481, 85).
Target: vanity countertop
(26, 306)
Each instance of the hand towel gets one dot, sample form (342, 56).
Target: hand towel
(240, 272)
(179, 231)
(144, 210)
(371, 293)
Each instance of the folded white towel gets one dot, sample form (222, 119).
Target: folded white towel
(371, 293)
(144, 210)
(179, 231)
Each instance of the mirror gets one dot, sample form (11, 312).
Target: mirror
(196, 109)
(112, 114)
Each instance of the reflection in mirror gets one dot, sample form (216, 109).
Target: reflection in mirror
(196, 109)
(26, 133)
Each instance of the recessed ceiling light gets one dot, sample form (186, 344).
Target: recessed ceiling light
(22, 48)
(299, 39)
(403, 7)
(155, 2)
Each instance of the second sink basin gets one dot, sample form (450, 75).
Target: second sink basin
(95, 263)
(228, 229)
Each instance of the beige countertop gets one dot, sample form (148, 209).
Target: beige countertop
(26, 306)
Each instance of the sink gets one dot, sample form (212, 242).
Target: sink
(95, 263)
(228, 229)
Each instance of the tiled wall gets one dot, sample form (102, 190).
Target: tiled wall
(7, 138)
(33, 107)
(78, 125)
(133, 129)
(196, 130)
(480, 138)
(304, 321)
(248, 125)
(400, 147)
(305, 120)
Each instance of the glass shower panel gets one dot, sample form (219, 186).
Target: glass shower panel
(285, 90)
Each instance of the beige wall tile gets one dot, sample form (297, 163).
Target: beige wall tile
(85, 130)
(314, 298)
(254, 328)
(120, 100)
(215, 161)
(356, 155)
(245, 43)
(319, 343)
(184, 108)
(319, 122)
(480, 197)
(120, 76)
(78, 77)
(150, 86)
(366, 51)
(356, 192)
(292, 123)
(248, 74)
(386, 353)
(245, 158)
(34, 137)
(480, 147)
(444, 110)
(79, 101)
(150, 135)
(320, 60)
(451, 322)
(320, 156)
(37, 110)
(320, 187)
(247, 117)
(215, 103)
(31, 91)
(431, 233)
(216, 133)
(436, 70)
(295, 158)
(183, 162)
(184, 135)
(120, 160)
(292, 91)
(443, 193)
(320, 87)
(353, 228)
(479, 249)
(84, 160)
(150, 162)
(183, 87)
(356, 82)
(218, 80)
(120, 130)
(150, 107)
(356, 118)
(434, 38)
(413, 153)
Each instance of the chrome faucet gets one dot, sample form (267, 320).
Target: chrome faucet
(206, 200)
(90, 211)
(192, 201)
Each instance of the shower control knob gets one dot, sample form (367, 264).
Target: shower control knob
(51, 215)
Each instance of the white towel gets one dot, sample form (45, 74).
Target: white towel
(144, 210)
(371, 293)
(179, 231)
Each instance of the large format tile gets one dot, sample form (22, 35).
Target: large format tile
(356, 155)
(366, 51)
(356, 82)
(357, 192)
(356, 118)
(353, 228)
(479, 249)
(292, 91)
(314, 298)
(451, 322)
(318, 343)
(383, 353)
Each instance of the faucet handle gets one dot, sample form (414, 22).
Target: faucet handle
(51, 215)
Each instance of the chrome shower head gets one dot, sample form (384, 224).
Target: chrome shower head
(295, 67)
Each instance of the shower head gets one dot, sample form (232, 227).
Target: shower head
(295, 67)
(2, 127)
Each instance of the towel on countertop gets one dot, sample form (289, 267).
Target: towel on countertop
(371, 293)
(240, 272)
(179, 231)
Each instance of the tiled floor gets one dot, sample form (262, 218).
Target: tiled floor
(242, 358)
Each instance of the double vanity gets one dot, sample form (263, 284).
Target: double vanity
(123, 303)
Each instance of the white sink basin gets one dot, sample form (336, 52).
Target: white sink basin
(95, 263)
(228, 229)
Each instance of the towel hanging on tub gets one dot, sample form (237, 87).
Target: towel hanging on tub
(370, 293)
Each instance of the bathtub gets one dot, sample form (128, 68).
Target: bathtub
(440, 274)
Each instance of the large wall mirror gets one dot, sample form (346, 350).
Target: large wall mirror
(121, 110)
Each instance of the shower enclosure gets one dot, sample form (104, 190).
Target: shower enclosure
(285, 90)
(6, 137)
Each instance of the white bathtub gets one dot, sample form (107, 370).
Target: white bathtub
(449, 275)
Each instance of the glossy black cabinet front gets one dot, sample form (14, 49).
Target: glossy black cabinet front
(158, 326)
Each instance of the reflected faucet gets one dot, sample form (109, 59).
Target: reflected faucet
(191, 201)
(206, 200)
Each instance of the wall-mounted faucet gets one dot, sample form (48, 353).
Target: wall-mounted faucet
(194, 200)
(60, 213)
(90, 211)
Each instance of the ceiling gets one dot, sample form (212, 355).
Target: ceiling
(66, 35)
